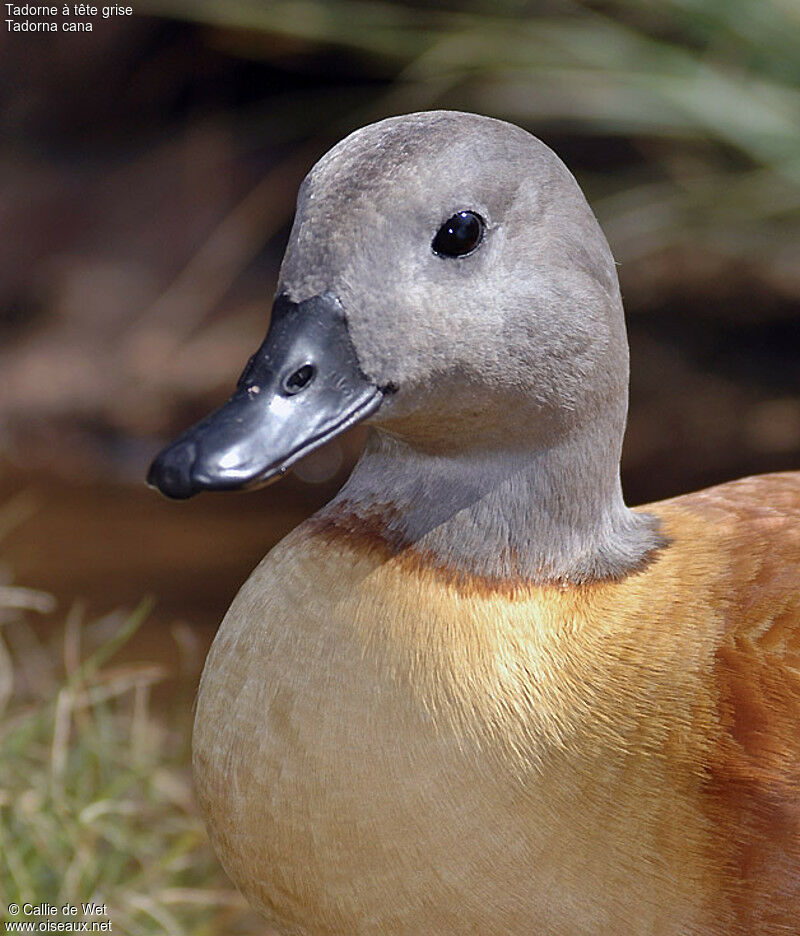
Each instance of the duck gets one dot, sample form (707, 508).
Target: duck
(477, 693)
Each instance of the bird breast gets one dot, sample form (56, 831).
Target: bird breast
(379, 749)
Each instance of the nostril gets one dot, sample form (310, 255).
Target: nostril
(171, 472)
(298, 380)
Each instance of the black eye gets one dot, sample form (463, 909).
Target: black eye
(459, 235)
(299, 380)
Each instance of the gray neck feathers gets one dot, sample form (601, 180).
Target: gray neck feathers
(556, 514)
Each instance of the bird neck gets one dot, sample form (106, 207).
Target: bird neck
(518, 516)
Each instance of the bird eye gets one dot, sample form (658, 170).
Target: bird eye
(299, 379)
(459, 235)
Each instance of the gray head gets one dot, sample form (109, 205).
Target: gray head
(522, 336)
(446, 280)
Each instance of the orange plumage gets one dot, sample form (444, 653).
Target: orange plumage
(752, 790)
(621, 756)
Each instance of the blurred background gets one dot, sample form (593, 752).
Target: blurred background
(149, 170)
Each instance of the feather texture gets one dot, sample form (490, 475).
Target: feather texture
(385, 748)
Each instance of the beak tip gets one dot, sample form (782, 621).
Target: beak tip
(171, 471)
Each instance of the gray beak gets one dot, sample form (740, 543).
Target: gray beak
(300, 389)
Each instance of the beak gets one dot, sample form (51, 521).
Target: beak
(302, 388)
